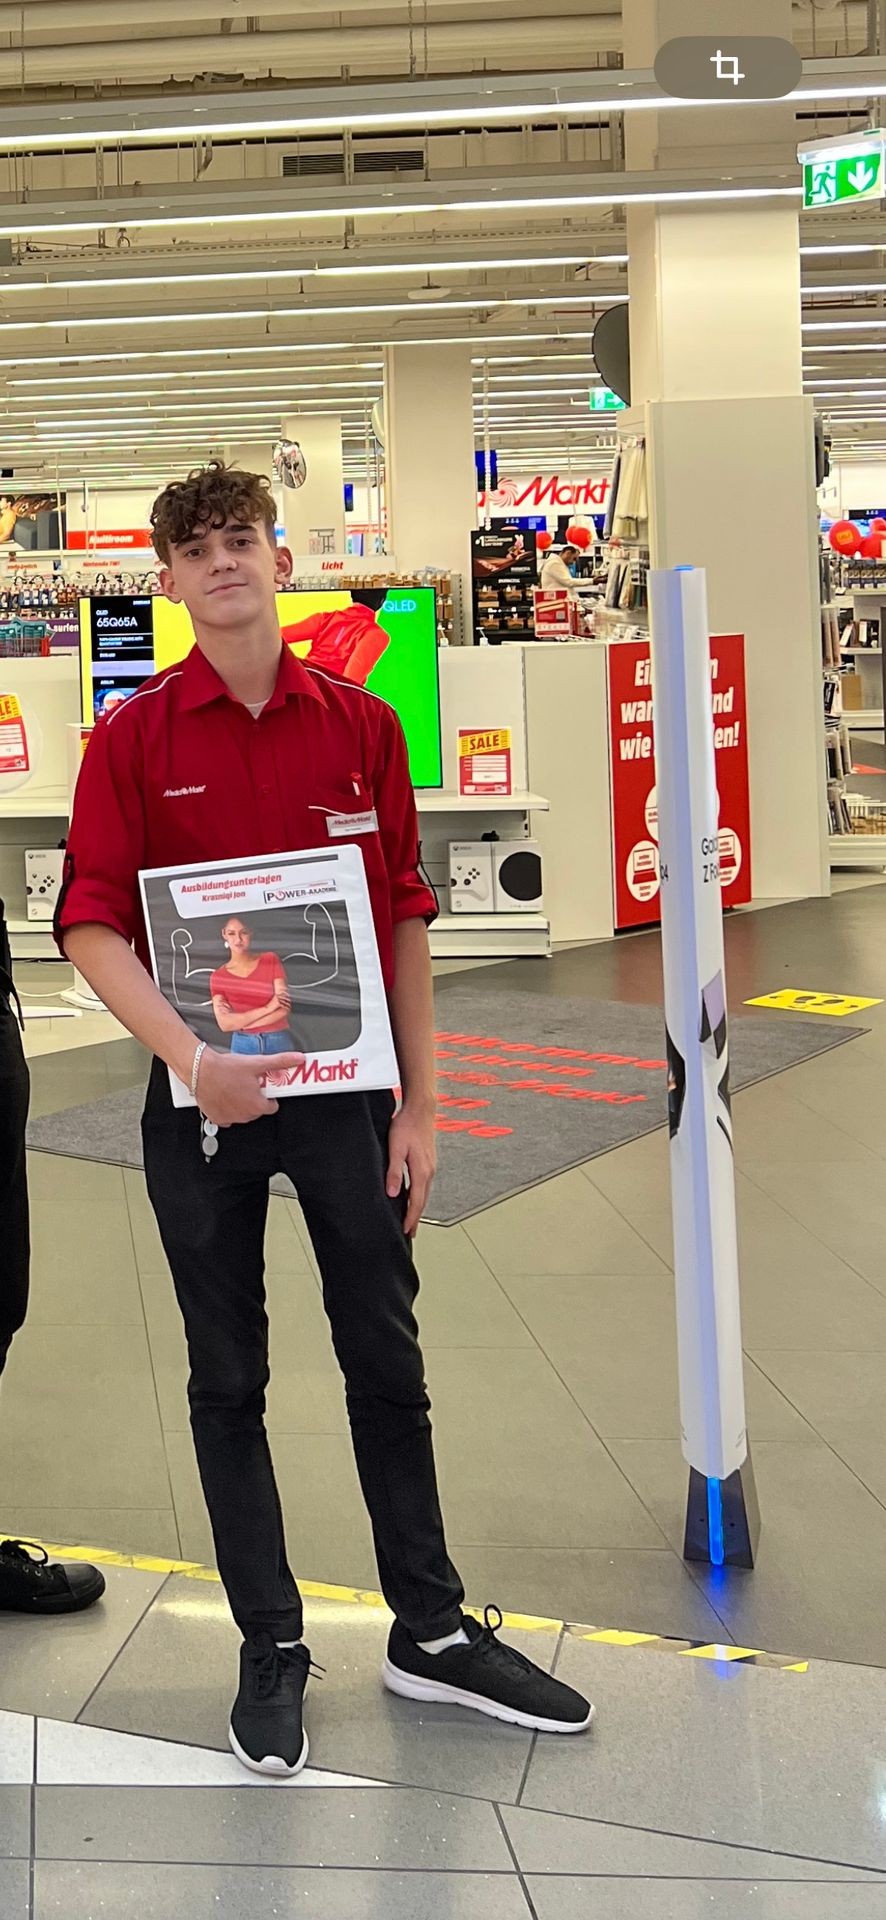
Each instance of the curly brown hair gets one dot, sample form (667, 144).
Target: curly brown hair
(210, 497)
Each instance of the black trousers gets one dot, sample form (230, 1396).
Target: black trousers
(212, 1222)
(15, 1242)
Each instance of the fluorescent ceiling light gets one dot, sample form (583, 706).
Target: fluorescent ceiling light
(489, 302)
(388, 208)
(51, 285)
(191, 352)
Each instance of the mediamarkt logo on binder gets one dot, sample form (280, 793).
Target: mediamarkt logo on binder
(276, 955)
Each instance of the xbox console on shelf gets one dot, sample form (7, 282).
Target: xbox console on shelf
(495, 876)
(470, 876)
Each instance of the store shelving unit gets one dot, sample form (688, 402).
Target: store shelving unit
(445, 816)
(853, 849)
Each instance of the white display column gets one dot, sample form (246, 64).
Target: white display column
(429, 457)
(254, 456)
(314, 514)
(717, 373)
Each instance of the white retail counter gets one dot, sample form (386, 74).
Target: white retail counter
(552, 696)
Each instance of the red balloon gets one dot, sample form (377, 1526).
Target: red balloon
(544, 540)
(578, 536)
(844, 537)
(878, 525)
(872, 547)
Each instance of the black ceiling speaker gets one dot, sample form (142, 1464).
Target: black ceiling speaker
(611, 347)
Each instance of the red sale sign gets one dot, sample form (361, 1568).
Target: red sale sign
(632, 777)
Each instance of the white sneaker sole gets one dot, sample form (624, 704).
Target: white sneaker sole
(409, 1687)
(272, 1764)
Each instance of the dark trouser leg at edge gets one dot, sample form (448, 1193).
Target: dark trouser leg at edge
(14, 1099)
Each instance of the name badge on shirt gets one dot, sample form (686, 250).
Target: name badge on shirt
(341, 826)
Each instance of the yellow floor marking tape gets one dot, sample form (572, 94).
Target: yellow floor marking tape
(514, 1622)
(799, 1000)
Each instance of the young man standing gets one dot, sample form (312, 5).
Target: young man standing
(242, 750)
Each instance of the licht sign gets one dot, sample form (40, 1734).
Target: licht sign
(550, 491)
(839, 171)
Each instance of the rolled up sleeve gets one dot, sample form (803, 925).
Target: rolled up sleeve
(412, 896)
(107, 838)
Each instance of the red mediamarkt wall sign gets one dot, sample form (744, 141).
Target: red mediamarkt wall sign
(632, 777)
(550, 492)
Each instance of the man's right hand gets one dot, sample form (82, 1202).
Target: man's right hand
(229, 1089)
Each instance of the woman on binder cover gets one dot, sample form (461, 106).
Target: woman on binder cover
(250, 998)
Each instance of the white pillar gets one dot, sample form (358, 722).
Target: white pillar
(318, 507)
(255, 456)
(429, 457)
(716, 364)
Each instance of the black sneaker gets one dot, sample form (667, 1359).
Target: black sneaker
(32, 1583)
(486, 1675)
(267, 1730)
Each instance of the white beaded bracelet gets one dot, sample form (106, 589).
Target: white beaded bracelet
(195, 1070)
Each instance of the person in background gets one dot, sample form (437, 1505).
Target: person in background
(557, 570)
(29, 1581)
(348, 641)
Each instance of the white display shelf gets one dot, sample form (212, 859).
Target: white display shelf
(858, 850)
(15, 806)
(489, 936)
(32, 940)
(868, 717)
(875, 652)
(428, 800)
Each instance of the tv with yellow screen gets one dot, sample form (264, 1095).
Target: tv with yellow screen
(382, 638)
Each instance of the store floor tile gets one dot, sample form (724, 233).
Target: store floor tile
(54, 1665)
(564, 1226)
(134, 1530)
(80, 1417)
(554, 1844)
(15, 1890)
(701, 1900)
(817, 1589)
(745, 1738)
(241, 1893)
(15, 1822)
(644, 1590)
(352, 1827)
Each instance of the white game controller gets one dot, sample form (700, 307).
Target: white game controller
(469, 882)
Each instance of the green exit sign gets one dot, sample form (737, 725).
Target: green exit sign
(603, 400)
(844, 171)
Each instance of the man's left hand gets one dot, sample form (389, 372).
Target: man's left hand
(412, 1151)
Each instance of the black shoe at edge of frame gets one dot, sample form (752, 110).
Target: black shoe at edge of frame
(32, 1583)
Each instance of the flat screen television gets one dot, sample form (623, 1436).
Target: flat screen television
(124, 639)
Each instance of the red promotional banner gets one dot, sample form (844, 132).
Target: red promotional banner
(632, 777)
(112, 539)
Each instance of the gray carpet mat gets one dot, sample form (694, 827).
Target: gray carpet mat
(530, 1085)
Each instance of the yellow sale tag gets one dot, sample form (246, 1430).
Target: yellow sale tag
(493, 740)
(797, 1000)
(10, 707)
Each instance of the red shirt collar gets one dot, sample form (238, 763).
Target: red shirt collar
(201, 684)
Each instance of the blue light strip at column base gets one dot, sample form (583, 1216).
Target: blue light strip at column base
(722, 1519)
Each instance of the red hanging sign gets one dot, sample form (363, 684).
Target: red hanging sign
(632, 777)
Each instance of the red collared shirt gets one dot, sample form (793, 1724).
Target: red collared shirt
(182, 772)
